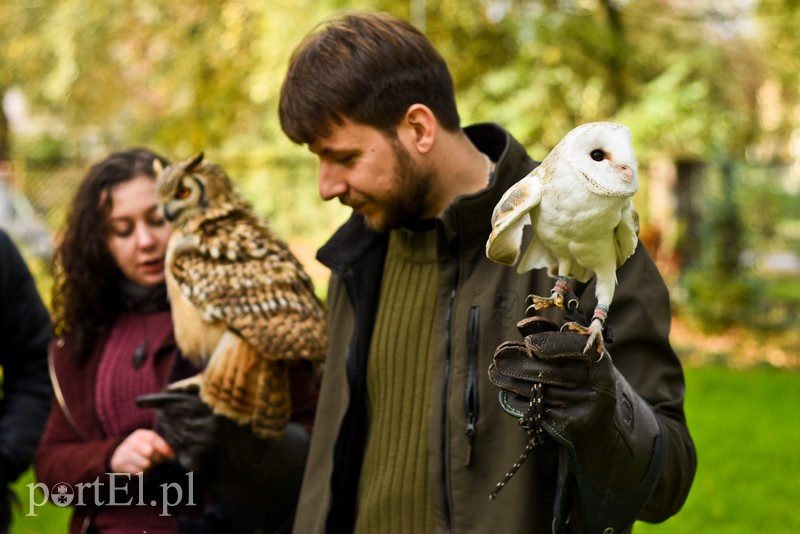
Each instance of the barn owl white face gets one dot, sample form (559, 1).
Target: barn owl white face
(602, 153)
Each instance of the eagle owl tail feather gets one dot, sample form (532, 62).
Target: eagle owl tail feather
(241, 385)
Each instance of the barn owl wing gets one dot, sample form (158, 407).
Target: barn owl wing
(626, 234)
(510, 217)
(241, 274)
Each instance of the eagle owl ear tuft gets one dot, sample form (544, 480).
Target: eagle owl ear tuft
(158, 167)
(195, 161)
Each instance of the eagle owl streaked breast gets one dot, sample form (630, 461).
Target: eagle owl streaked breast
(579, 204)
(241, 303)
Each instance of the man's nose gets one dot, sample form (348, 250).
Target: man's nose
(332, 182)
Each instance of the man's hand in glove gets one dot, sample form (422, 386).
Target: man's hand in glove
(610, 433)
(256, 481)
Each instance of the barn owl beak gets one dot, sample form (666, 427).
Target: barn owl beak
(625, 172)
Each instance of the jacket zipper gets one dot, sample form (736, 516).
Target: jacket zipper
(448, 522)
(471, 390)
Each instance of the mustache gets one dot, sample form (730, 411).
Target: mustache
(353, 200)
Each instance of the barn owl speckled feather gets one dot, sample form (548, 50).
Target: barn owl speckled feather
(579, 204)
(241, 302)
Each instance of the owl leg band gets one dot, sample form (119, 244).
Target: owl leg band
(600, 313)
(561, 287)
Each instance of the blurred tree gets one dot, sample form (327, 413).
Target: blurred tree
(198, 74)
(722, 291)
(177, 77)
(5, 139)
(776, 23)
(182, 76)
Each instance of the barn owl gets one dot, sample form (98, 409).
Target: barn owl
(241, 303)
(579, 204)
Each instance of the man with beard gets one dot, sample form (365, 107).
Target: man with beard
(409, 435)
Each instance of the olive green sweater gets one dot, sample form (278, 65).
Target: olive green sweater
(393, 491)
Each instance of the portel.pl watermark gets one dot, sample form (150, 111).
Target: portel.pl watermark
(83, 493)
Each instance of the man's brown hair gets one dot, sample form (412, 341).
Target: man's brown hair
(365, 67)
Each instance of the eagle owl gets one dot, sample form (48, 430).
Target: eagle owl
(242, 305)
(579, 204)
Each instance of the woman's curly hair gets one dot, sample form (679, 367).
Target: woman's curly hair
(86, 295)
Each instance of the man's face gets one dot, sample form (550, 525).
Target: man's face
(373, 174)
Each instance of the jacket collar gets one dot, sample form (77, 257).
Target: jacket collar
(350, 243)
(469, 216)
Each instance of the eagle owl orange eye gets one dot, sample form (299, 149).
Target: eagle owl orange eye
(183, 192)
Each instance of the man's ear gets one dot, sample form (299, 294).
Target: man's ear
(422, 126)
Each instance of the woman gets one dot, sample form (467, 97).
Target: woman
(114, 343)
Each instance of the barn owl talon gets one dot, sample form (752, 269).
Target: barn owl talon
(556, 298)
(595, 333)
(542, 303)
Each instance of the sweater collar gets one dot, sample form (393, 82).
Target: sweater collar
(141, 299)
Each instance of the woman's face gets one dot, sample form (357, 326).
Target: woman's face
(138, 234)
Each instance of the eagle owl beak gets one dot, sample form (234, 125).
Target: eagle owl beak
(169, 214)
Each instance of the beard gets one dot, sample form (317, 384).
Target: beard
(408, 201)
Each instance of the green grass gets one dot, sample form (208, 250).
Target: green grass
(744, 424)
(745, 428)
(48, 519)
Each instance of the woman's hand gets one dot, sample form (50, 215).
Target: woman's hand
(140, 451)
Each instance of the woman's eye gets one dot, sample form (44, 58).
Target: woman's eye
(121, 230)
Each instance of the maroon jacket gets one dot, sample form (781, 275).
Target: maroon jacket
(74, 447)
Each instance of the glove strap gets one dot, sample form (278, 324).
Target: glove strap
(532, 423)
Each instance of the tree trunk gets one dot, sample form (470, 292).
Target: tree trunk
(688, 191)
(616, 63)
(5, 138)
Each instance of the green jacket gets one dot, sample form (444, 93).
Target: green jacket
(472, 442)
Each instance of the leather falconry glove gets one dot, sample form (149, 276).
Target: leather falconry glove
(611, 436)
(256, 482)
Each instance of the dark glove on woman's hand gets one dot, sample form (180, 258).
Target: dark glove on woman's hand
(611, 434)
(255, 481)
